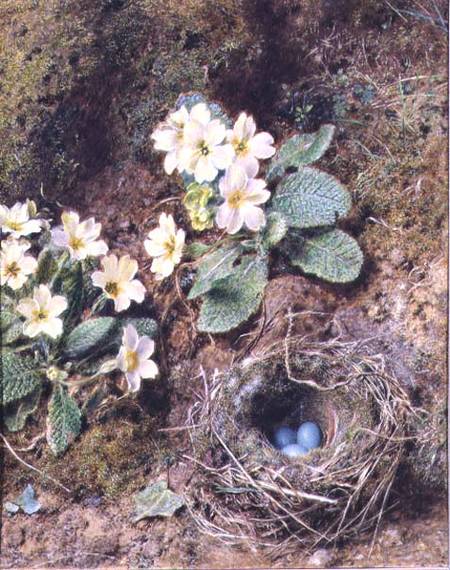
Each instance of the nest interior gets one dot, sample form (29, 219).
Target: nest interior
(334, 491)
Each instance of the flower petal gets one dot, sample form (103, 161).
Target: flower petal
(148, 369)
(135, 290)
(52, 327)
(133, 380)
(254, 218)
(222, 156)
(58, 305)
(215, 132)
(130, 337)
(145, 347)
(205, 170)
(261, 145)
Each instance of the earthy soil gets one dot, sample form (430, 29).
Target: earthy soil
(80, 94)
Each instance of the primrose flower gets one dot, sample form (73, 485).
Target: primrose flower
(203, 153)
(165, 244)
(133, 358)
(18, 221)
(117, 281)
(248, 146)
(169, 136)
(243, 194)
(196, 201)
(15, 266)
(41, 313)
(80, 238)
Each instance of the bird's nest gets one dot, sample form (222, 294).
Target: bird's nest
(250, 490)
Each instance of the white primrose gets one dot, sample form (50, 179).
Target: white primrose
(117, 281)
(169, 136)
(42, 313)
(134, 358)
(243, 194)
(249, 146)
(204, 152)
(165, 244)
(80, 238)
(15, 265)
(17, 220)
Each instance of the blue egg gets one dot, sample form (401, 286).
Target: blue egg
(294, 450)
(284, 436)
(309, 435)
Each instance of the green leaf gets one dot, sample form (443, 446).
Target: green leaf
(90, 336)
(332, 255)
(7, 317)
(156, 501)
(47, 266)
(235, 298)
(13, 333)
(19, 376)
(215, 266)
(143, 325)
(72, 288)
(196, 249)
(310, 198)
(274, 230)
(63, 420)
(16, 413)
(300, 150)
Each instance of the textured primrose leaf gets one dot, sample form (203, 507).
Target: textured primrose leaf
(90, 336)
(215, 266)
(300, 150)
(47, 266)
(235, 298)
(63, 420)
(196, 249)
(332, 255)
(19, 376)
(13, 332)
(156, 501)
(16, 413)
(72, 287)
(310, 198)
(7, 317)
(274, 230)
(143, 325)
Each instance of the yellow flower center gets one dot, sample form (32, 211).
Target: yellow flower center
(240, 147)
(76, 243)
(15, 226)
(40, 315)
(236, 199)
(13, 270)
(204, 149)
(170, 244)
(112, 289)
(131, 360)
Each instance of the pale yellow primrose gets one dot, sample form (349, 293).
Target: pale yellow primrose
(117, 281)
(243, 194)
(15, 265)
(248, 145)
(169, 136)
(42, 312)
(17, 222)
(80, 238)
(134, 358)
(203, 153)
(165, 244)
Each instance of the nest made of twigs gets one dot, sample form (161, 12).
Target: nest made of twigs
(252, 491)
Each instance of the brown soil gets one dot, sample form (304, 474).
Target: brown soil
(390, 150)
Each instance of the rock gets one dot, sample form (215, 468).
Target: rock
(322, 558)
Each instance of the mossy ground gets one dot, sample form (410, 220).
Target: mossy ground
(82, 85)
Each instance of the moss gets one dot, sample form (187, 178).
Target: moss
(109, 459)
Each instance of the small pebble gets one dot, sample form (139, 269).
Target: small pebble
(309, 435)
(294, 450)
(284, 436)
